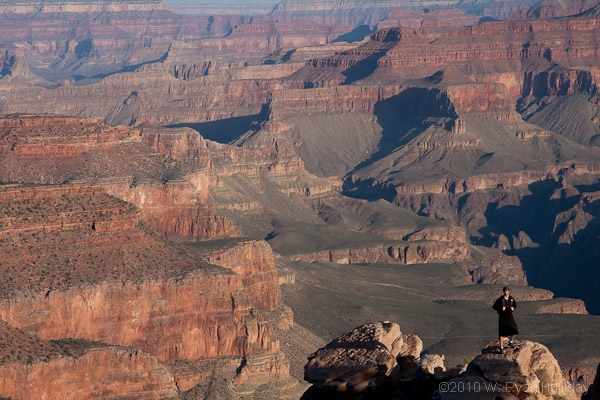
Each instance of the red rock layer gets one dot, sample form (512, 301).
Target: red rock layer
(253, 261)
(79, 263)
(154, 97)
(258, 39)
(485, 67)
(113, 283)
(177, 208)
(174, 199)
(503, 40)
(411, 253)
(222, 160)
(99, 374)
(214, 320)
(115, 23)
(32, 368)
(35, 137)
(338, 99)
(414, 18)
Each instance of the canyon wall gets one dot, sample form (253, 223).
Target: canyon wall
(80, 263)
(100, 373)
(412, 253)
(352, 12)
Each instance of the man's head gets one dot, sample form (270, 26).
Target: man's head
(506, 290)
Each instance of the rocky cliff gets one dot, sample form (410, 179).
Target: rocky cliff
(28, 7)
(107, 260)
(414, 18)
(417, 253)
(78, 368)
(569, 215)
(64, 277)
(352, 12)
(216, 9)
(124, 196)
(93, 40)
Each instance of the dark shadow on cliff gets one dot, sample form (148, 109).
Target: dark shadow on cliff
(568, 269)
(403, 117)
(534, 214)
(363, 68)
(224, 130)
(358, 34)
(129, 68)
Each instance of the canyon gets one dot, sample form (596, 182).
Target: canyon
(193, 205)
(113, 190)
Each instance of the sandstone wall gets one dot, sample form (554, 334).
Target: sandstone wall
(99, 374)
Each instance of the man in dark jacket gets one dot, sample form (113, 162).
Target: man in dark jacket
(505, 306)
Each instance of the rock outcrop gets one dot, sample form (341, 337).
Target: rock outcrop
(31, 368)
(174, 197)
(527, 371)
(561, 306)
(113, 305)
(499, 269)
(410, 253)
(14, 67)
(100, 373)
(376, 353)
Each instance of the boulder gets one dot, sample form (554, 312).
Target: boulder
(528, 370)
(435, 363)
(374, 352)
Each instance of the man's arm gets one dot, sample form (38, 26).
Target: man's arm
(497, 305)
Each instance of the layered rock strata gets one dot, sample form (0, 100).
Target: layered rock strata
(414, 18)
(31, 368)
(106, 259)
(121, 311)
(410, 253)
(358, 13)
(173, 197)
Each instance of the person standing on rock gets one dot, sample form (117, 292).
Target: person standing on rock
(505, 306)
